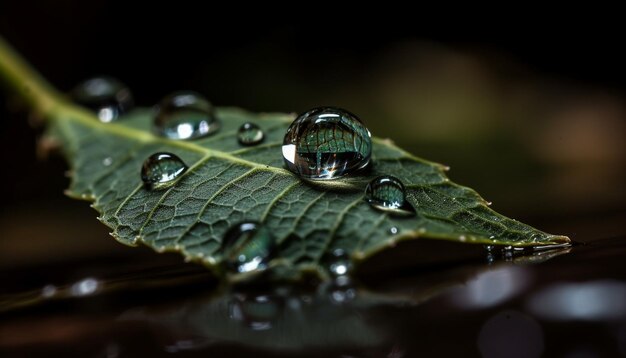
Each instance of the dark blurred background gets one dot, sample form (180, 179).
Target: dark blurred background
(529, 112)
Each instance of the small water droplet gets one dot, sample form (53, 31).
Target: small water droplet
(489, 248)
(85, 287)
(106, 96)
(185, 115)
(161, 170)
(107, 161)
(393, 230)
(387, 193)
(492, 236)
(250, 134)
(340, 263)
(326, 143)
(248, 247)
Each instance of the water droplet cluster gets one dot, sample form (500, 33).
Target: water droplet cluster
(324, 143)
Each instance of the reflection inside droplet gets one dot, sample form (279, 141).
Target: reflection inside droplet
(326, 143)
(387, 193)
(250, 134)
(161, 170)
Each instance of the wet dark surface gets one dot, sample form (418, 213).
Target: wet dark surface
(572, 304)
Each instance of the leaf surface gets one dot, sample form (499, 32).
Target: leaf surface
(228, 183)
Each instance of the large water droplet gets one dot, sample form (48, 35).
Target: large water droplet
(387, 193)
(106, 96)
(161, 170)
(250, 134)
(185, 115)
(340, 263)
(248, 247)
(326, 143)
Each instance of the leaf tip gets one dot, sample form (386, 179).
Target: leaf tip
(560, 239)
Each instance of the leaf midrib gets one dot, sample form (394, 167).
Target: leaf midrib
(78, 115)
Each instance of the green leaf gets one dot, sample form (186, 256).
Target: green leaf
(227, 183)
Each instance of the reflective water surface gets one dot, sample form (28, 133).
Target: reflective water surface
(566, 303)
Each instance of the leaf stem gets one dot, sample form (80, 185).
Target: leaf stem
(21, 80)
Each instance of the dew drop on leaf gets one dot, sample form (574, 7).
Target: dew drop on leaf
(185, 115)
(161, 170)
(106, 96)
(250, 134)
(247, 247)
(387, 193)
(326, 143)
